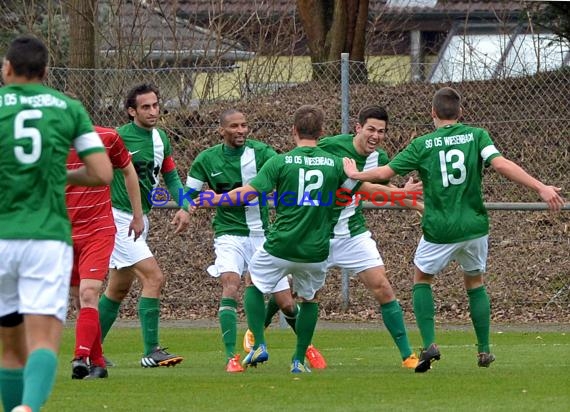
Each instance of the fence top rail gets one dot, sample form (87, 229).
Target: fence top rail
(529, 206)
(518, 206)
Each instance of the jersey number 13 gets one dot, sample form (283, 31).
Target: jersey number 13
(456, 159)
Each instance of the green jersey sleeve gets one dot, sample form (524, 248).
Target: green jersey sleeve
(487, 147)
(166, 141)
(86, 140)
(383, 158)
(407, 160)
(267, 178)
(268, 153)
(197, 177)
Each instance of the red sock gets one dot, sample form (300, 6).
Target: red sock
(86, 331)
(96, 355)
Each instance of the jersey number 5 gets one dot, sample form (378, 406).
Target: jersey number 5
(23, 132)
(457, 160)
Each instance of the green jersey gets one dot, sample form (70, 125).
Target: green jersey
(149, 149)
(38, 125)
(450, 163)
(349, 219)
(224, 169)
(306, 180)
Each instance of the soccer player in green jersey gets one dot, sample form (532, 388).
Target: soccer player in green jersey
(455, 224)
(151, 155)
(239, 231)
(305, 181)
(352, 247)
(39, 125)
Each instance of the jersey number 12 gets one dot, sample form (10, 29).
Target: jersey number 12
(304, 193)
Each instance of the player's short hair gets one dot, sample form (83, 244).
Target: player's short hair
(227, 113)
(372, 112)
(28, 57)
(447, 103)
(308, 121)
(143, 88)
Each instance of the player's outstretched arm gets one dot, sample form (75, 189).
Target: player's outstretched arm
(405, 197)
(414, 190)
(515, 173)
(382, 173)
(96, 172)
(134, 193)
(236, 197)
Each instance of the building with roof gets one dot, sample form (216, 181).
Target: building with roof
(417, 40)
(441, 40)
(159, 34)
(472, 40)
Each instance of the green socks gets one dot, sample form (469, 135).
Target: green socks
(291, 318)
(480, 309)
(108, 312)
(270, 310)
(394, 320)
(254, 305)
(39, 376)
(11, 387)
(227, 314)
(149, 313)
(306, 323)
(424, 311)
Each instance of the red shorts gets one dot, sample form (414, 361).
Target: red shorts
(91, 258)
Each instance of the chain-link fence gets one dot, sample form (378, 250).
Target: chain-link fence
(528, 118)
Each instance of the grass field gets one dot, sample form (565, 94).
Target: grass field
(532, 373)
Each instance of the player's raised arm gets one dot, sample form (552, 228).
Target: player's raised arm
(515, 173)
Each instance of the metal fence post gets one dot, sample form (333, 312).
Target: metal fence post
(344, 91)
(344, 107)
(345, 278)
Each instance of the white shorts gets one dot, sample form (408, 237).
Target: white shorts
(234, 253)
(432, 258)
(34, 277)
(267, 271)
(127, 252)
(354, 254)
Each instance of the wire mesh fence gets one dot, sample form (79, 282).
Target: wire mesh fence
(528, 117)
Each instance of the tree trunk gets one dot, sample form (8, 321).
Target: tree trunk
(333, 27)
(313, 15)
(82, 52)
